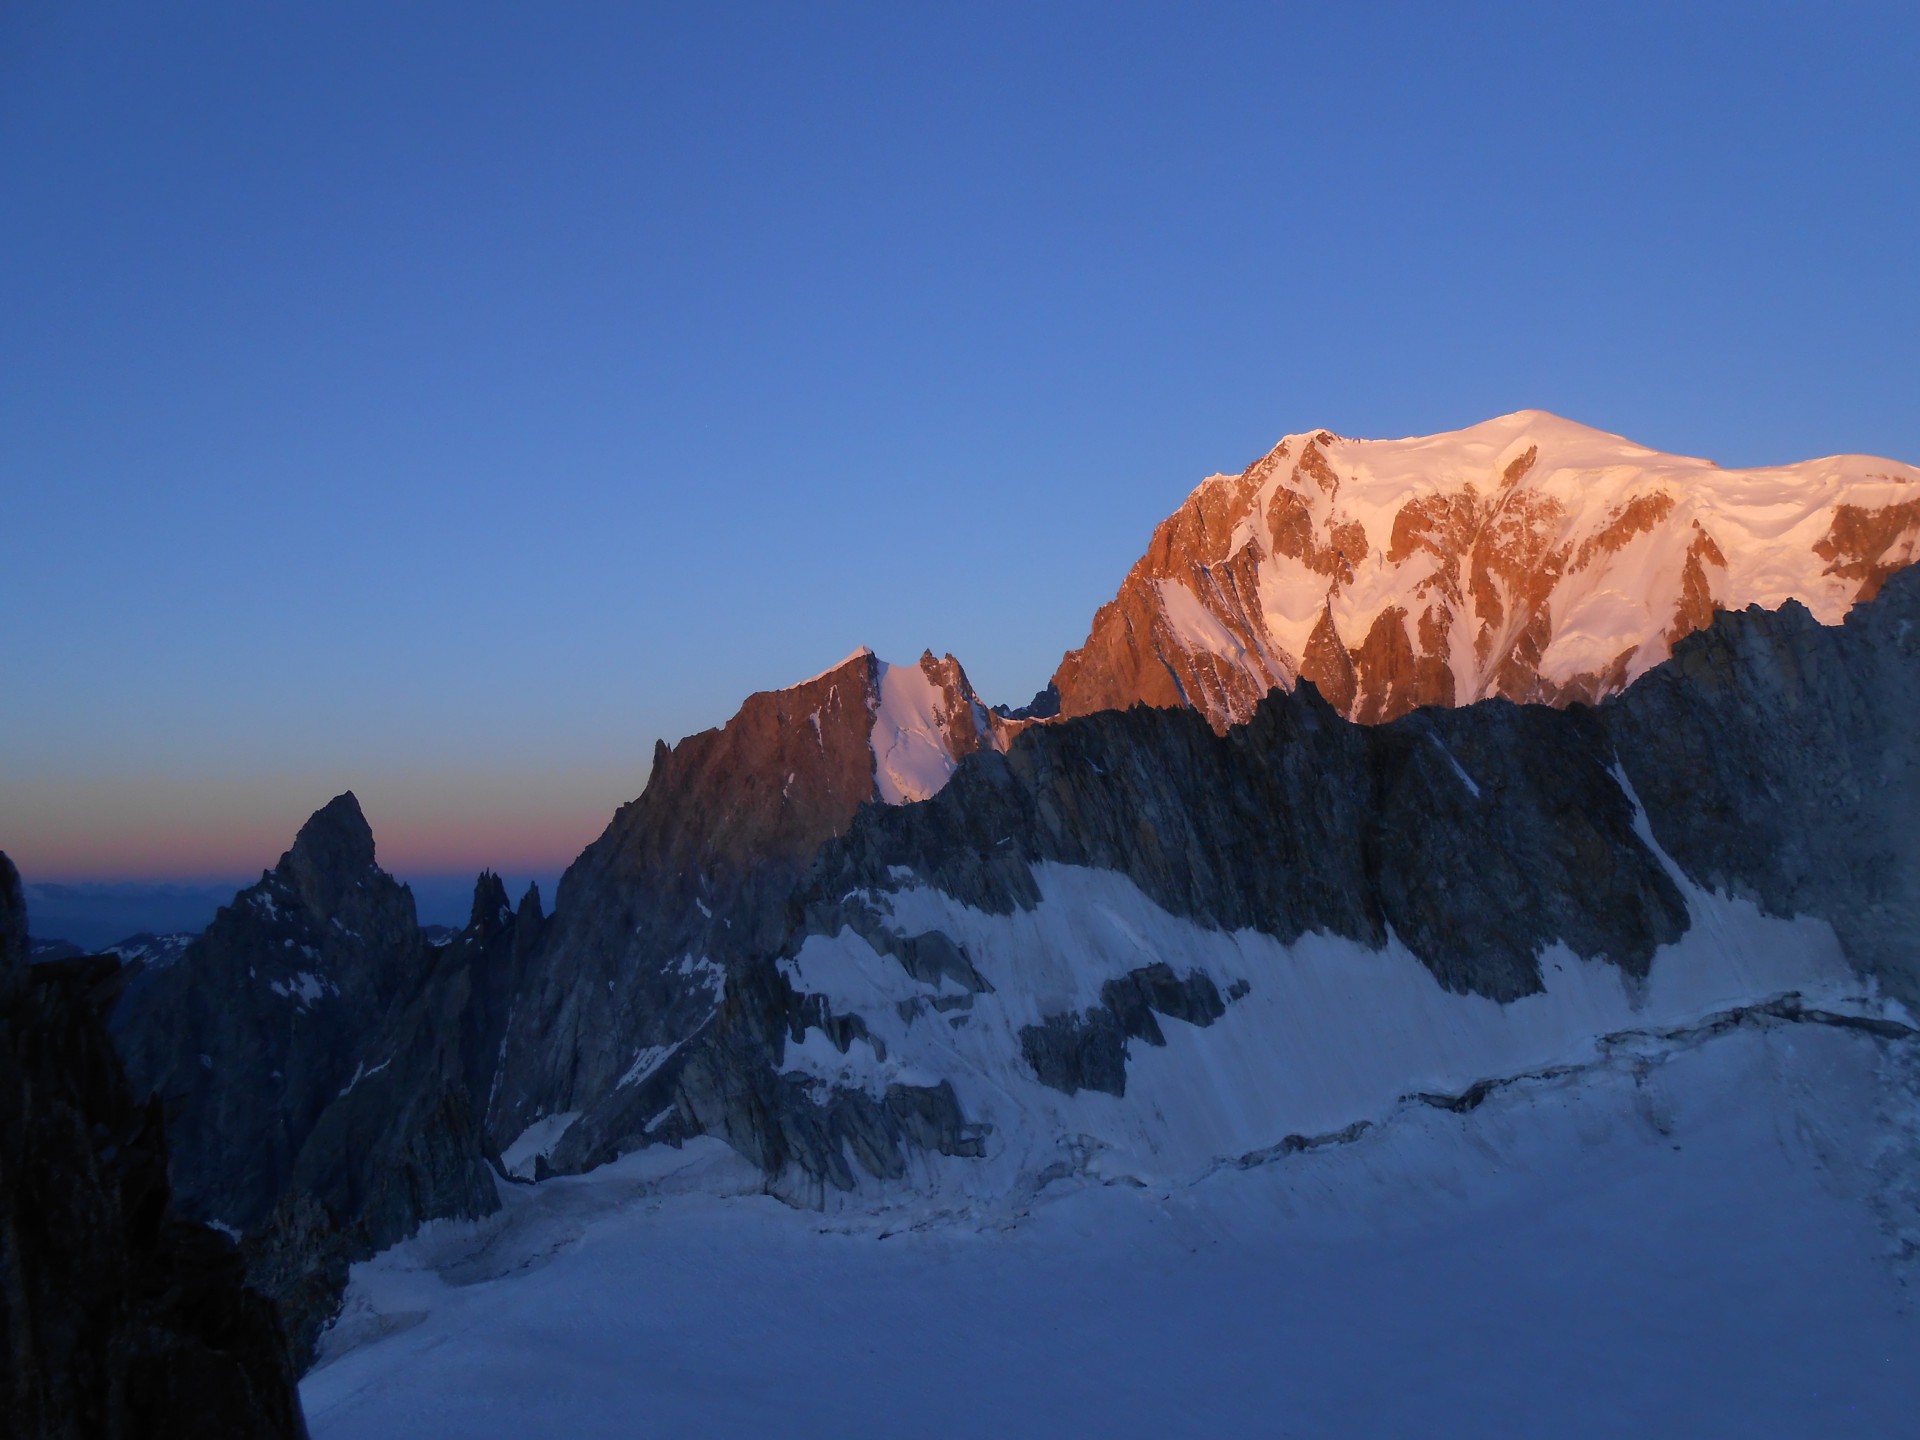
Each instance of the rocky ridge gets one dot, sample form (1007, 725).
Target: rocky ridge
(369, 1080)
(1479, 841)
(688, 883)
(325, 1068)
(1744, 818)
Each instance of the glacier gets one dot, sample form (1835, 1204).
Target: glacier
(1695, 1239)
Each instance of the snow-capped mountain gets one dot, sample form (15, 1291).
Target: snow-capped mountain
(898, 950)
(324, 1065)
(1527, 557)
(948, 993)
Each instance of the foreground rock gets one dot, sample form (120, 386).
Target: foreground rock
(117, 1316)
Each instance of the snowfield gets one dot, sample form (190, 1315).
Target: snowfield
(1709, 1235)
(1327, 1033)
(1355, 1204)
(912, 757)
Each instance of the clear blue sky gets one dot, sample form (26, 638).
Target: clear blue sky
(446, 400)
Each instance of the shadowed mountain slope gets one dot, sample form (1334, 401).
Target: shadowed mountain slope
(117, 1316)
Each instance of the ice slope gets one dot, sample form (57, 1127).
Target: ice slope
(912, 754)
(1316, 1035)
(1699, 1238)
(1765, 523)
(1326, 1034)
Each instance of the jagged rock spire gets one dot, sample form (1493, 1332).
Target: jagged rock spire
(490, 905)
(332, 852)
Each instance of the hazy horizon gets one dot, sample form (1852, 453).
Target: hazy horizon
(95, 913)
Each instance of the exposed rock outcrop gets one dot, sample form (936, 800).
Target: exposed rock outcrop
(689, 882)
(1779, 759)
(117, 1316)
(1477, 835)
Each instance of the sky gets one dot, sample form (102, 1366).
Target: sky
(445, 401)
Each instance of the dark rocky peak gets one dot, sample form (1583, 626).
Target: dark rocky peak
(1044, 706)
(332, 854)
(317, 1052)
(530, 911)
(259, 1023)
(490, 907)
(328, 906)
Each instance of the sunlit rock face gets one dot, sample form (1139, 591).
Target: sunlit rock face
(690, 879)
(1527, 557)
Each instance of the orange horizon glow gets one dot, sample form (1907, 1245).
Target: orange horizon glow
(187, 833)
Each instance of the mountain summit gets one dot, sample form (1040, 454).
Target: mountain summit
(1527, 557)
(692, 876)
